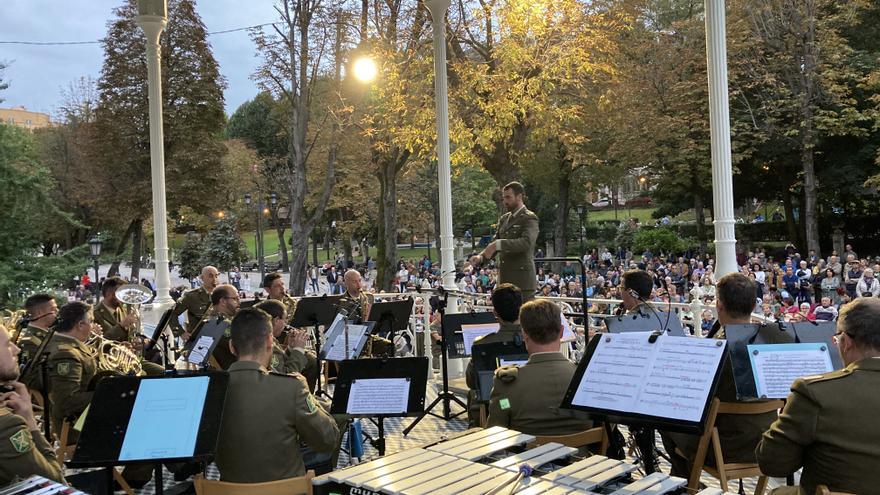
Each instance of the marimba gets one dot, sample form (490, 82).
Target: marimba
(38, 485)
(481, 461)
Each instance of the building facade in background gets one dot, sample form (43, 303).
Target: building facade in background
(21, 116)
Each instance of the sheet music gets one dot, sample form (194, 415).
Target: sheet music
(199, 352)
(670, 378)
(378, 396)
(336, 349)
(567, 334)
(470, 333)
(777, 366)
(512, 362)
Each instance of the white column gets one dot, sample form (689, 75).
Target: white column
(447, 249)
(153, 26)
(719, 117)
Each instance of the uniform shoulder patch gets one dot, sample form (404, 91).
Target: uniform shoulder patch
(21, 441)
(507, 374)
(310, 402)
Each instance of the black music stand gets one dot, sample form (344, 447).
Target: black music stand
(204, 339)
(817, 332)
(157, 419)
(41, 359)
(339, 346)
(646, 322)
(489, 357)
(159, 334)
(377, 400)
(315, 312)
(391, 316)
(450, 331)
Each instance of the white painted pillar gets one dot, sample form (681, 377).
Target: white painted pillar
(152, 15)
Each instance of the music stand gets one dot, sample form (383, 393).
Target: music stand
(159, 333)
(153, 419)
(645, 322)
(391, 316)
(204, 339)
(381, 388)
(343, 342)
(41, 359)
(314, 312)
(450, 331)
(489, 357)
(817, 332)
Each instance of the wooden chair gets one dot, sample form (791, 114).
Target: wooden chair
(592, 436)
(65, 451)
(291, 486)
(823, 490)
(724, 471)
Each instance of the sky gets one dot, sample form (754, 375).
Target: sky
(36, 74)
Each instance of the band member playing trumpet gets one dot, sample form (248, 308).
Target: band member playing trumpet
(290, 352)
(275, 291)
(117, 323)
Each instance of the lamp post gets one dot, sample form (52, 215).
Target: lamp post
(152, 16)
(580, 210)
(441, 101)
(95, 245)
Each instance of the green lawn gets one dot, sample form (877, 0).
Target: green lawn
(643, 214)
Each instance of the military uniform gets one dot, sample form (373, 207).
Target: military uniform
(515, 246)
(196, 303)
(110, 319)
(828, 427)
(358, 307)
(265, 417)
(29, 343)
(221, 354)
(72, 367)
(527, 399)
(24, 452)
(507, 332)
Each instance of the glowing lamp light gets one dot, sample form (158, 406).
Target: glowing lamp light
(365, 69)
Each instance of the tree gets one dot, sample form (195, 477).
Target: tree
(3, 84)
(472, 208)
(223, 247)
(194, 118)
(189, 258)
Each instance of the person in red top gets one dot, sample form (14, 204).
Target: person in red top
(85, 280)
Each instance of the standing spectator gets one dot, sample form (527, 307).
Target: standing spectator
(868, 286)
(790, 283)
(835, 266)
(849, 252)
(830, 284)
(333, 280)
(853, 272)
(805, 282)
(402, 278)
(313, 276)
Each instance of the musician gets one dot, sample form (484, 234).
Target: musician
(117, 323)
(506, 302)
(225, 302)
(739, 434)
(527, 398)
(195, 302)
(41, 311)
(515, 242)
(829, 424)
(273, 283)
(357, 308)
(636, 287)
(23, 449)
(266, 414)
(289, 352)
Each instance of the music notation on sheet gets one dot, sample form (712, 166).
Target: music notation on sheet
(378, 396)
(777, 366)
(669, 378)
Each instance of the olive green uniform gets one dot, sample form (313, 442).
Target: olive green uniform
(71, 369)
(507, 332)
(196, 303)
(829, 427)
(221, 354)
(24, 452)
(515, 246)
(29, 343)
(110, 321)
(527, 399)
(358, 307)
(265, 417)
(286, 361)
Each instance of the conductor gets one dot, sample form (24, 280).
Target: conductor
(514, 243)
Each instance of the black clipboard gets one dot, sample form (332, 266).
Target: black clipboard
(112, 433)
(215, 328)
(487, 358)
(739, 337)
(629, 417)
(646, 322)
(315, 310)
(414, 369)
(452, 323)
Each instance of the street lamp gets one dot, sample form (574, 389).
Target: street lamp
(365, 69)
(580, 210)
(258, 242)
(95, 246)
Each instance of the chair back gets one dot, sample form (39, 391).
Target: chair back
(301, 485)
(823, 490)
(592, 436)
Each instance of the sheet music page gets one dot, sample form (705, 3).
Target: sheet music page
(470, 333)
(777, 366)
(567, 334)
(512, 362)
(669, 378)
(378, 396)
(336, 349)
(681, 377)
(200, 351)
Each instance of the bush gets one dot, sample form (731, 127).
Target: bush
(660, 239)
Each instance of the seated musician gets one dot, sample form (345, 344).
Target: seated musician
(289, 352)
(506, 302)
(224, 304)
(41, 311)
(357, 306)
(739, 434)
(195, 302)
(527, 399)
(23, 449)
(274, 285)
(121, 325)
(266, 415)
(829, 424)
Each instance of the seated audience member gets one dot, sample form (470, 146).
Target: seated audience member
(527, 398)
(266, 415)
(829, 424)
(739, 434)
(825, 311)
(23, 449)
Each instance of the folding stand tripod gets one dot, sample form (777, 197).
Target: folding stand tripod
(316, 311)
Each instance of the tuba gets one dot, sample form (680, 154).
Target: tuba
(132, 296)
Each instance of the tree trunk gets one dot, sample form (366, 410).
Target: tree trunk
(346, 250)
(386, 246)
(137, 241)
(282, 244)
(314, 249)
(700, 214)
(807, 133)
(120, 248)
(560, 229)
(788, 206)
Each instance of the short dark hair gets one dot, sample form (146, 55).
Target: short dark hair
(639, 281)
(249, 330)
(221, 291)
(70, 314)
(111, 283)
(541, 320)
(516, 187)
(269, 278)
(737, 293)
(274, 308)
(858, 319)
(35, 301)
(506, 300)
